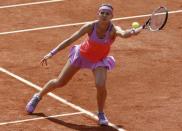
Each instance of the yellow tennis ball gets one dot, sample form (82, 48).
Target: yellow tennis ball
(135, 25)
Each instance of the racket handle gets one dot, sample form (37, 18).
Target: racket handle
(143, 26)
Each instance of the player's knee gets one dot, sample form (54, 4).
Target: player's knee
(59, 82)
(54, 82)
(101, 89)
(100, 85)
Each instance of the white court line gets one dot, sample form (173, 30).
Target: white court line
(39, 118)
(31, 3)
(76, 24)
(141, 16)
(78, 108)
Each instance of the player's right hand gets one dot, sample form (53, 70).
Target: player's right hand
(46, 57)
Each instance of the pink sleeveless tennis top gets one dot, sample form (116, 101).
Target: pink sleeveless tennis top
(95, 48)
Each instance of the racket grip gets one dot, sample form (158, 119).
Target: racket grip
(143, 26)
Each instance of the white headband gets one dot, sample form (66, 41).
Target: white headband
(105, 8)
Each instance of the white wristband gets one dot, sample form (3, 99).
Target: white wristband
(133, 31)
(53, 52)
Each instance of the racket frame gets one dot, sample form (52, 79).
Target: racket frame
(147, 23)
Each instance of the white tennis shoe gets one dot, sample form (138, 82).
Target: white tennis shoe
(102, 119)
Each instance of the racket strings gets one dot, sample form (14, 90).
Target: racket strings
(158, 19)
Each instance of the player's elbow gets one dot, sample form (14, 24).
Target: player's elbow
(121, 34)
(124, 35)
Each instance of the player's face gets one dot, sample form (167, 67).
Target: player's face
(105, 15)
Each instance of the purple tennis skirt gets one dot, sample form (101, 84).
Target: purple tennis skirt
(79, 61)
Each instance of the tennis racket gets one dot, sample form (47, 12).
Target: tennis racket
(157, 20)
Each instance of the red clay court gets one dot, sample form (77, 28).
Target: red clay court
(144, 89)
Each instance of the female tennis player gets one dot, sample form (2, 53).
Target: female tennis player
(91, 54)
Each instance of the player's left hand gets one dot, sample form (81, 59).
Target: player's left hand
(46, 57)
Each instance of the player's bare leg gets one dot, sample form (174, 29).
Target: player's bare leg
(100, 74)
(66, 74)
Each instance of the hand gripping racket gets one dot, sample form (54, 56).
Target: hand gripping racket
(157, 20)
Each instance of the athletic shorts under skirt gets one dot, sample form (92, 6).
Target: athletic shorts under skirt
(79, 61)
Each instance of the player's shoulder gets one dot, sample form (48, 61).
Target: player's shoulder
(114, 28)
(90, 24)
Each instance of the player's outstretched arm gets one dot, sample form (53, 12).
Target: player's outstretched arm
(127, 33)
(83, 30)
